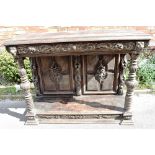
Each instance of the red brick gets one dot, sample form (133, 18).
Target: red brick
(7, 32)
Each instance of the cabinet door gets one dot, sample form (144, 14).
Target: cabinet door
(99, 74)
(56, 75)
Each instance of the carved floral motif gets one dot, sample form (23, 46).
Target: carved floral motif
(101, 71)
(102, 68)
(55, 72)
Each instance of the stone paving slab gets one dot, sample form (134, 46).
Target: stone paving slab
(12, 115)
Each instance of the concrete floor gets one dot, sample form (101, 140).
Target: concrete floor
(12, 115)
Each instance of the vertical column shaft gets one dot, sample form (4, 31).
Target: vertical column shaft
(25, 85)
(131, 82)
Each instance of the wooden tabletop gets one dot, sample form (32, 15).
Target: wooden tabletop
(77, 36)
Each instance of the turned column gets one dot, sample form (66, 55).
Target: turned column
(131, 82)
(25, 85)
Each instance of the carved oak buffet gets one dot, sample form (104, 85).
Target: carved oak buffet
(79, 76)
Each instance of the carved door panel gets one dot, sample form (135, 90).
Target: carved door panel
(99, 74)
(56, 75)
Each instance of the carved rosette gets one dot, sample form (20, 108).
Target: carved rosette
(77, 77)
(55, 73)
(75, 47)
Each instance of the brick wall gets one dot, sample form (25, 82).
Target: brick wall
(7, 32)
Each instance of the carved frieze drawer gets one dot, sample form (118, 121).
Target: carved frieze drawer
(75, 48)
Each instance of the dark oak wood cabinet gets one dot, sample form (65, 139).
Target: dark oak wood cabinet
(79, 76)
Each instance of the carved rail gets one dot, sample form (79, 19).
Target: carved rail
(81, 47)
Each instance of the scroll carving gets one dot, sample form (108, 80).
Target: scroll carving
(75, 47)
(77, 66)
(55, 72)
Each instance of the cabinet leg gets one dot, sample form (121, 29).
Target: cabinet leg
(130, 84)
(25, 85)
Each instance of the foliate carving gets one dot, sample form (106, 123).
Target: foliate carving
(86, 46)
(119, 46)
(77, 66)
(78, 116)
(13, 51)
(55, 72)
(114, 46)
(139, 46)
(101, 70)
(75, 47)
(121, 78)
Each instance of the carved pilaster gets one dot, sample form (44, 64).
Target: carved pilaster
(25, 85)
(121, 78)
(77, 77)
(35, 75)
